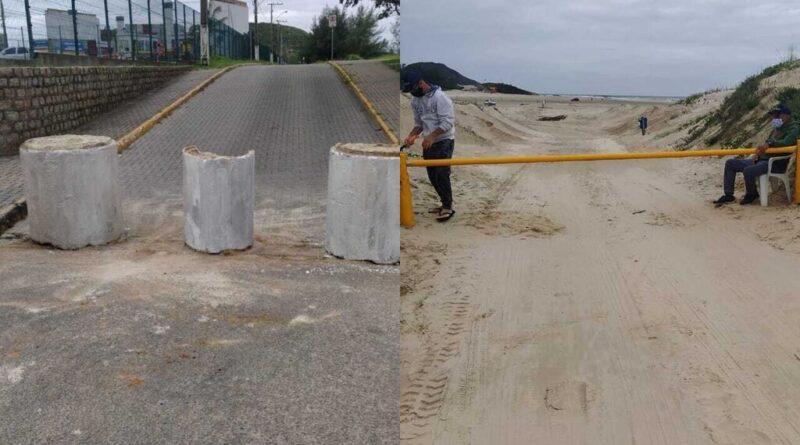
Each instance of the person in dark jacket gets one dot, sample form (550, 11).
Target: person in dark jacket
(784, 133)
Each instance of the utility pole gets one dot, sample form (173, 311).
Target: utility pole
(3, 16)
(272, 31)
(280, 53)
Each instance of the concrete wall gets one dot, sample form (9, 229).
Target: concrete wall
(47, 101)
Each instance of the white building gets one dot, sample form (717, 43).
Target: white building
(60, 34)
(233, 13)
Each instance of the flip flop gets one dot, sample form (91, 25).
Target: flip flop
(444, 215)
(435, 210)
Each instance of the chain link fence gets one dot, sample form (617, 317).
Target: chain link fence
(146, 30)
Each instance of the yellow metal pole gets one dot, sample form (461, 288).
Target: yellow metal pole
(406, 204)
(592, 157)
(796, 199)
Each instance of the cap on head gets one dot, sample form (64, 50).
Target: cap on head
(780, 109)
(410, 79)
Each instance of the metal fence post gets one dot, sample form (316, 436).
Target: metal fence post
(195, 43)
(3, 17)
(175, 28)
(164, 44)
(183, 44)
(108, 28)
(30, 28)
(150, 30)
(132, 29)
(75, 28)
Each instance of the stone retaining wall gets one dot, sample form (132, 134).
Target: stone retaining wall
(47, 101)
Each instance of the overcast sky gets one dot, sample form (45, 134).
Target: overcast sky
(631, 47)
(300, 13)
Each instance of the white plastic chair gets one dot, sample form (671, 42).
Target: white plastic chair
(763, 180)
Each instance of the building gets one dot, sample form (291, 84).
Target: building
(233, 13)
(143, 34)
(61, 36)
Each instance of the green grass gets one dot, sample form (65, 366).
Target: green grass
(390, 60)
(217, 62)
(688, 100)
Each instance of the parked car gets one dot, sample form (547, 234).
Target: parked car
(15, 52)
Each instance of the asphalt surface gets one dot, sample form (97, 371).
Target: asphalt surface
(145, 341)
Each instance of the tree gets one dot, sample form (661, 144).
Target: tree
(356, 35)
(387, 7)
(395, 30)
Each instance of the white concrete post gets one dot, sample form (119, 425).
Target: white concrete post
(218, 200)
(72, 190)
(363, 211)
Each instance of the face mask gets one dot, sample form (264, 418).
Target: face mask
(777, 122)
(417, 92)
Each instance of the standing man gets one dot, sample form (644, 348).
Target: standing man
(434, 119)
(784, 133)
(643, 124)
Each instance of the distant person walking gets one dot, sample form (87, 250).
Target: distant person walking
(434, 119)
(643, 124)
(784, 133)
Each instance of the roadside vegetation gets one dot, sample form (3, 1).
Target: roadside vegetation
(740, 117)
(219, 62)
(357, 35)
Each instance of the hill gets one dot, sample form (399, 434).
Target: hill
(442, 75)
(450, 79)
(505, 88)
(294, 40)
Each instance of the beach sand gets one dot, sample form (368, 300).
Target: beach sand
(604, 302)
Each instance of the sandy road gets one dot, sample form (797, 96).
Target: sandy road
(602, 303)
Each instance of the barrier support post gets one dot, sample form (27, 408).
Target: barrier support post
(796, 199)
(406, 204)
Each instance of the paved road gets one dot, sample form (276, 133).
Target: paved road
(146, 341)
(116, 123)
(381, 84)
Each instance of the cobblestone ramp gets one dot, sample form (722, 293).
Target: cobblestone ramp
(290, 116)
(381, 84)
(114, 124)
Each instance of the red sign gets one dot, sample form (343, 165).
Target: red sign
(332, 21)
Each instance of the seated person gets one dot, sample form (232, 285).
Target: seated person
(784, 133)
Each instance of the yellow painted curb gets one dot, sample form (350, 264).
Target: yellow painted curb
(367, 104)
(127, 140)
(12, 213)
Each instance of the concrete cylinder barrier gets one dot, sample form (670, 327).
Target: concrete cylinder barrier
(218, 200)
(364, 203)
(72, 190)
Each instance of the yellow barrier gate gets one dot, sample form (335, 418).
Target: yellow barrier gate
(407, 207)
